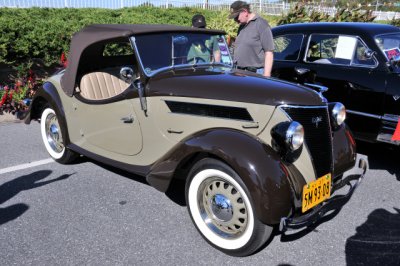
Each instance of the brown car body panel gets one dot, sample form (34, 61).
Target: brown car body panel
(48, 95)
(344, 150)
(258, 165)
(230, 85)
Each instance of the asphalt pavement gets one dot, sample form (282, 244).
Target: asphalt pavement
(89, 214)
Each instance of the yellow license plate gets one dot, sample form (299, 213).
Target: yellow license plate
(316, 192)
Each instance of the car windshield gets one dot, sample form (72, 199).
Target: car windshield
(164, 51)
(390, 46)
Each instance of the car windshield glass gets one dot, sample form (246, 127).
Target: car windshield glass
(390, 45)
(163, 51)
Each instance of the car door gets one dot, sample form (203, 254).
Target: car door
(108, 123)
(339, 63)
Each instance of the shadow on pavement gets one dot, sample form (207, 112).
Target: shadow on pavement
(377, 241)
(381, 156)
(26, 182)
(297, 234)
(176, 191)
(12, 212)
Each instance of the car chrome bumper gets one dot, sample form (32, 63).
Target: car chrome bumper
(350, 178)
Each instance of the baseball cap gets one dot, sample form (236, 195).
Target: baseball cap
(238, 6)
(199, 21)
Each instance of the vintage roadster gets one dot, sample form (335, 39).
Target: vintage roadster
(165, 102)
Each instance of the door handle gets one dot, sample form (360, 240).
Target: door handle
(127, 119)
(301, 70)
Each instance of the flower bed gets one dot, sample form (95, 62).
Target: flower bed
(15, 98)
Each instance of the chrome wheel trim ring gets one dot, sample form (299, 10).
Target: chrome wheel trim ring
(222, 207)
(229, 241)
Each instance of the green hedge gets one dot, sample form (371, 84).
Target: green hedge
(45, 33)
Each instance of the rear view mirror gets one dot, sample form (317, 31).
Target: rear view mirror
(368, 54)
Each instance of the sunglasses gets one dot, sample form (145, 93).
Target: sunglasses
(236, 18)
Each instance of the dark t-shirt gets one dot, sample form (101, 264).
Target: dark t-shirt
(254, 39)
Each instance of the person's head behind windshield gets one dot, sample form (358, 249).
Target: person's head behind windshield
(199, 21)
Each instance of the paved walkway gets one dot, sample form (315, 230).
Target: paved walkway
(9, 118)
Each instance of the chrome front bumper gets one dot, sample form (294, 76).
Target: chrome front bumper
(351, 178)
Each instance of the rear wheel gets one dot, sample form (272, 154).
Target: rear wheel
(220, 207)
(53, 139)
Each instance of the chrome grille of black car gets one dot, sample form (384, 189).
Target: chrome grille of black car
(317, 135)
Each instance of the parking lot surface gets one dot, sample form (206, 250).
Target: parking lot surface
(86, 213)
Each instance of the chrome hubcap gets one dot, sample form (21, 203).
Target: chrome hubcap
(222, 208)
(53, 134)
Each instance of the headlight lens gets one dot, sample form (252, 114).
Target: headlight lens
(294, 135)
(338, 112)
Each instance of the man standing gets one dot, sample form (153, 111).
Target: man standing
(254, 44)
(203, 52)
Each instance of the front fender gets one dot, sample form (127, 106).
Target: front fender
(256, 163)
(48, 95)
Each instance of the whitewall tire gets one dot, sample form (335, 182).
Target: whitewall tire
(220, 207)
(53, 139)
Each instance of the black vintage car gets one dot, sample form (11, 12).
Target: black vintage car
(357, 62)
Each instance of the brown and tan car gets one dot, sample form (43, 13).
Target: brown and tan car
(165, 102)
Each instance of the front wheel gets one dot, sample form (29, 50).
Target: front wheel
(220, 207)
(53, 138)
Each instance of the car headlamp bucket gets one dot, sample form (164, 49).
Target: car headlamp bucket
(338, 114)
(294, 135)
(287, 136)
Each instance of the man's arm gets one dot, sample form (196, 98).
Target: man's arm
(268, 61)
(217, 56)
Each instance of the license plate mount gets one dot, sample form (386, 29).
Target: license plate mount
(316, 192)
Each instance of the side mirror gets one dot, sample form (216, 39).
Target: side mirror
(369, 53)
(127, 74)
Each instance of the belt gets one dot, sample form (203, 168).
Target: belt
(252, 69)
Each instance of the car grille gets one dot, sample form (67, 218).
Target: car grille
(317, 135)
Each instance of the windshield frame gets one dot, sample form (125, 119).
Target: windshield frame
(180, 66)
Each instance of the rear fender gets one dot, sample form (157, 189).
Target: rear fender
(48, 95)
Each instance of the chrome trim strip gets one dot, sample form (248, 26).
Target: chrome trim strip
(386, 117)
(364, 114)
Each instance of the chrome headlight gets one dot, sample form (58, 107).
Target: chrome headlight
(287, 136)
(294, 135)
(338, 113)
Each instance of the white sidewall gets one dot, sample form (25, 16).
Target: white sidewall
(195, 211)
(55, 155)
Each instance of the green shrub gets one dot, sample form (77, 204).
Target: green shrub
(300, 13)
(394, 22)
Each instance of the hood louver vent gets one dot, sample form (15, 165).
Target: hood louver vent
(218, 111)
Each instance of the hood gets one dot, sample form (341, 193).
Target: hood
(230, 85)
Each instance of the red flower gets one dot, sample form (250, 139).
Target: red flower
(63, 60)
(4, 98)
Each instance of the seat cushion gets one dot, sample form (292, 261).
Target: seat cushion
(103, 84)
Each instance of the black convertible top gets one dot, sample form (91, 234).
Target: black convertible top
(98, 33)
